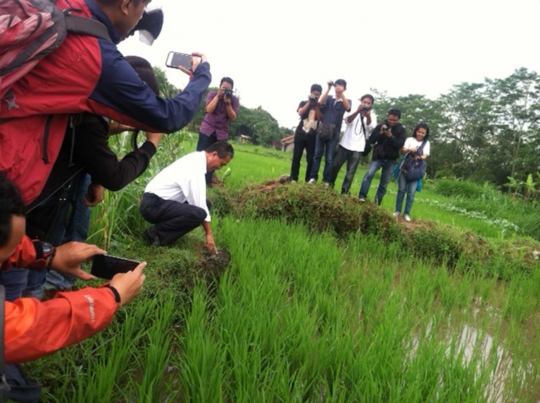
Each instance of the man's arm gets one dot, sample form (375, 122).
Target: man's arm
(322, 99)
(210, 244)
(230, 111)
(34, 329)
(211, 106)
(92, 148)
(346, 103)
(397, 138)
(121, 95)
(303, 108)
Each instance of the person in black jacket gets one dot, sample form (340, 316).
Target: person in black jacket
(61, 213)
(388, 139)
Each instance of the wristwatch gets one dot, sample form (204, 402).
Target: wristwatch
(48, 252)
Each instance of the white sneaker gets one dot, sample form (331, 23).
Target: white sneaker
(326, 184)
(293, 181)
(407, 218)
(362, 199)
(395, 213)
(312, 181)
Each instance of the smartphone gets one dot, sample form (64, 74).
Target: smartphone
(175, 60)
(107, 266)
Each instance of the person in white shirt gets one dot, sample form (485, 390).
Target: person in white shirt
(175, 200)
(359, 125)
(414, 146)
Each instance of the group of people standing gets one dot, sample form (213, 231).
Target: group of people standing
(318, 133)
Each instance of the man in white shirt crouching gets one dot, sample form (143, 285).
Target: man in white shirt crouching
(175, 200)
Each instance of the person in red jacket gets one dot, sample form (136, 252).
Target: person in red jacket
(86, 74)
(34, 329)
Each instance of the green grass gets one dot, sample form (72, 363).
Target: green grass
(302, 316)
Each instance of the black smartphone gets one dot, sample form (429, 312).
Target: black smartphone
(175, 60)
(107, 266)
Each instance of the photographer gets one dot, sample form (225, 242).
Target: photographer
(34, 329)
(304, 136)
(388, 138)
(354, 143)
(333, 110)
(221, 109)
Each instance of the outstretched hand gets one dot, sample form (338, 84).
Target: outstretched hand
(129, 284)
(71, 255)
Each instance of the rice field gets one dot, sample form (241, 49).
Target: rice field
(300, 316)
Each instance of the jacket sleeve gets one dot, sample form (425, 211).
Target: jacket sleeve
(375, 134)
(28, 254)
(120, 94)
(34, 329)
(398, 139)
(102, 163)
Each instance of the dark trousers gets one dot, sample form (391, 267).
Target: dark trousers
(203, 143)
(171, 219)
(352, 158)
(328, 148)
(302, 141)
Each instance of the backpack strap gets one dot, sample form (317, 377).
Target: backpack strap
(86, 26)
(420, 150)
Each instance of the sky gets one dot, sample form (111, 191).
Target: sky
(275, 50)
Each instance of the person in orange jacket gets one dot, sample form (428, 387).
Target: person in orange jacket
(34, 329)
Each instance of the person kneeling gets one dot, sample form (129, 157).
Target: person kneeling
(175, 200)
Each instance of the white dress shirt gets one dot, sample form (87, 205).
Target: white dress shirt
(183, 181)
(354, 138)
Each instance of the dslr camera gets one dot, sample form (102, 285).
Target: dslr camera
(385, 128)
(366, 108)
(228, 93)
(313, 99)
(331, 84)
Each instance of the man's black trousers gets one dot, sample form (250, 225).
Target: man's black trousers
(171, 219)
(302, 141)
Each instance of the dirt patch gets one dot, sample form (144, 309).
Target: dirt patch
(211, 266)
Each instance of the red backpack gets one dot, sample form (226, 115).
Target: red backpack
(32, 29)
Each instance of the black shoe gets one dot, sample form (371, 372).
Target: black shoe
(151, 236)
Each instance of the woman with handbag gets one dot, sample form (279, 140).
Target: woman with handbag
(417, 149)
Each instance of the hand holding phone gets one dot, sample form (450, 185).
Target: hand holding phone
(107, 266)
(176, 60)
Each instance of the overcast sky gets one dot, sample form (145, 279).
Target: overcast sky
(275, 50)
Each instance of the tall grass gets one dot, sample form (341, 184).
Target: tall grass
(301, 318)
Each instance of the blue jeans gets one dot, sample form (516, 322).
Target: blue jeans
(14, 281)
(405, 187)
(329, 156)
(387, 168)
(352, 158)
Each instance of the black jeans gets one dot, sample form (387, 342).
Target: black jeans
(171, 219)
(302, 141)
(352, 158)
(203, 143)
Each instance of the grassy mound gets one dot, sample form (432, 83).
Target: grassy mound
(322, 210)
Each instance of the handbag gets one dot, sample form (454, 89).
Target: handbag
(326, 131)
(412, 168)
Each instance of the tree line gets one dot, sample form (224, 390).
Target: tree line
(488, 131)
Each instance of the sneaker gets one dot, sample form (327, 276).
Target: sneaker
(293, 181)
(326, 185)
(362, 199)
(407, 218)
(151, 237)
(395, 213)
(312, 181)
